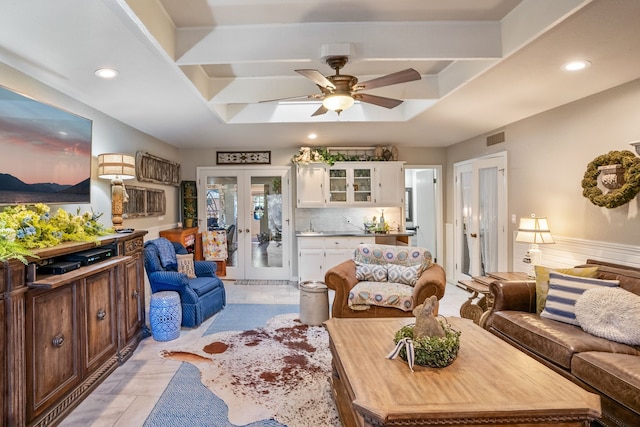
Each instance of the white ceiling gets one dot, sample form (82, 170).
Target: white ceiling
(193, 73)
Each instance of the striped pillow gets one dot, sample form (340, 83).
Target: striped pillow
(564, 290)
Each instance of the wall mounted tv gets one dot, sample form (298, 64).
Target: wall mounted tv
(45, 153)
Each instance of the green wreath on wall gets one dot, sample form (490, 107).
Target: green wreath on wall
(620, 196)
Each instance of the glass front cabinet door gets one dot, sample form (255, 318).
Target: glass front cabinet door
(350, 184)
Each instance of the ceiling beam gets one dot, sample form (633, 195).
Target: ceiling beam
(303, 42)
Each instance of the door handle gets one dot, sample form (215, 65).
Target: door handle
(246, 230)
(474, 235)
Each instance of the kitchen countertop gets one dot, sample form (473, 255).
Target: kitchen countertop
(352, 234)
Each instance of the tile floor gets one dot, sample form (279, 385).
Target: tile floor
(128, 395)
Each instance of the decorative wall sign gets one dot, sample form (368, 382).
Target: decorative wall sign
(243, 158)
(144, 202)
(150, 168)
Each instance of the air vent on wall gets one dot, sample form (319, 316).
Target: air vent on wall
(495, 139)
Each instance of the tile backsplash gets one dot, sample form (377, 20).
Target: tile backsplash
(333, 219)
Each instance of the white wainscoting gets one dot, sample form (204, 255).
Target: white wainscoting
(569, 252)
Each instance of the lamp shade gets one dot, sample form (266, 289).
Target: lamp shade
(116, 166)
(534, 230)
(338, 101)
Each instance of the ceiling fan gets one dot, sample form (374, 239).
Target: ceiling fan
(340, 91)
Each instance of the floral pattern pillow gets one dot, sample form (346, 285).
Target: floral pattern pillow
(383, 294)
(214, 245)
(391, 254)
(371, 272)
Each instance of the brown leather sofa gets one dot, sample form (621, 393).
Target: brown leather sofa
(607, 368)
(342, 278)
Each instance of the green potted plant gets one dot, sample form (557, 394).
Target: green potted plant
(189, 211)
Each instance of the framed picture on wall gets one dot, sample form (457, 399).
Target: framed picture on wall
(243, 157)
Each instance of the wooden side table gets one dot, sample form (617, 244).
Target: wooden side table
(479, 303)
(188, 237)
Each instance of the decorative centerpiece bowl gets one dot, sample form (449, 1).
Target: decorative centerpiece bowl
(434, 352)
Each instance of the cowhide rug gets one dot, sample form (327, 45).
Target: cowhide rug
(281, 372)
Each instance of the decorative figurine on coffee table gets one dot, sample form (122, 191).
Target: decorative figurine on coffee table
(429, 342)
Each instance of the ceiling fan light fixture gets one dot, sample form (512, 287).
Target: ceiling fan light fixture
(337, 102)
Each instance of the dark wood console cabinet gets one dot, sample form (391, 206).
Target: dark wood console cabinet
(63, 334)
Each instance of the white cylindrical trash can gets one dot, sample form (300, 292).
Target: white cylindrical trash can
(314, 303)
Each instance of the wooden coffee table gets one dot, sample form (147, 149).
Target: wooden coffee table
(489, 383)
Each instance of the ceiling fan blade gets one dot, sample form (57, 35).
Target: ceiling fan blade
(290, 98)
(320, 111)
(378, 100)
(317, 77)
(403, 76)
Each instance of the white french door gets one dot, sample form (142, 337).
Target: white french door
(253, 205)
(480, 208)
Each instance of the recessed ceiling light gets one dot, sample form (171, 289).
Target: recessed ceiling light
(312, 136)
(106, 73)
(576, 65)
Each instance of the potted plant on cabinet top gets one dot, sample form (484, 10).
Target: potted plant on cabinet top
(189, 211)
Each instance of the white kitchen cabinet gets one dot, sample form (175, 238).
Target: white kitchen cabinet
(316, 255)
(348, 184)
(389, 184)
(310, 184)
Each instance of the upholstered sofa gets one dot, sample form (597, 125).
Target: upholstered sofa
(384, 281)
(201, 295)
(610, 368)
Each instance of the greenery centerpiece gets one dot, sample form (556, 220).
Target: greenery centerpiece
(24, 228)
(614, 198)
(434, 352)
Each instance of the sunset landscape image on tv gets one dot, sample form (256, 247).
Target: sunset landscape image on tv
(46, 153)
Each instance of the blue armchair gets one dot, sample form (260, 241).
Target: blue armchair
(201, 297)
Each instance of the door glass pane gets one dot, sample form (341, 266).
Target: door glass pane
(466, 204)
(266, 223)
(362, 185)
(222, 211)
(488, 218)
(338, 185)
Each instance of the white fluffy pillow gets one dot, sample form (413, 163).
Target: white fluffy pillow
(611, 313)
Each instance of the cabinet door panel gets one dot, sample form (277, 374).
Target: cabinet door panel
(132, 305)
(53, 366)
(100, 318)
(389, 184)
(310, 185)
(333, 257)
(310, 264)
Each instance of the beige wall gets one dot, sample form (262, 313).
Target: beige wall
(192, 158)
(547, 156)
(109, 135)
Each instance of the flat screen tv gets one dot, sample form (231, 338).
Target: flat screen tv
(45, 153)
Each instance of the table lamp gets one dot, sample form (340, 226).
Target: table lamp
(535, 231)
(117, 167)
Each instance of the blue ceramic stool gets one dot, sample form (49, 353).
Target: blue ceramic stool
(165, 315)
